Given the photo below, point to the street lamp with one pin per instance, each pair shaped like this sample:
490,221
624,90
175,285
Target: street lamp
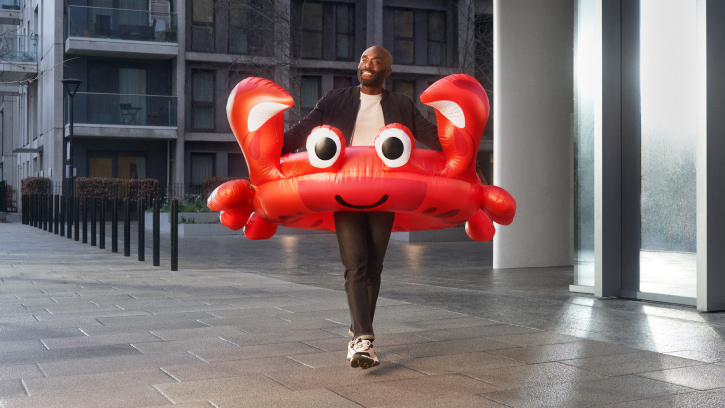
71,87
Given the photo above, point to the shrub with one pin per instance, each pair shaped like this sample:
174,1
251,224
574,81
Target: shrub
101,187
35,185
208,184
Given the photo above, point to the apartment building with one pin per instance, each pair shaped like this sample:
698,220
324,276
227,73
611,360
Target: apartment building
156,74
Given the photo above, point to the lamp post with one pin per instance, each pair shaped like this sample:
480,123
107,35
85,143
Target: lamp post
71,87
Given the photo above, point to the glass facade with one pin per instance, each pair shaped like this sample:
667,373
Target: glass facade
587,103
669,99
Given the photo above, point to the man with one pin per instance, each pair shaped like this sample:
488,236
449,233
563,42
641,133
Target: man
359,112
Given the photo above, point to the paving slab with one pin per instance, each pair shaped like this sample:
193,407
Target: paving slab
319,398
247,323
585,393
417,390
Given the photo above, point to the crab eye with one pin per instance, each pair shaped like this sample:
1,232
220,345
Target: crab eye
394,146
324,146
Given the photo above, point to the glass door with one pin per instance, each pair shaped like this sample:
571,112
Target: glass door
669,78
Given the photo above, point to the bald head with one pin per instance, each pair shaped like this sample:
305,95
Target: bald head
374,67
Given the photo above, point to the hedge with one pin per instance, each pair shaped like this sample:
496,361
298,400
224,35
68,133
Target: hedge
35,185
208,184
101,187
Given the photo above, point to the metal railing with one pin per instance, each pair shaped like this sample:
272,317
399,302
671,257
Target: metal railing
18,48
123,109
120,24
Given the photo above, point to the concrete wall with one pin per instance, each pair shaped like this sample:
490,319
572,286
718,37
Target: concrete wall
533,56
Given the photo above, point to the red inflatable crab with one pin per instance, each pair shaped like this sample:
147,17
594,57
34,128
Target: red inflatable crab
426,189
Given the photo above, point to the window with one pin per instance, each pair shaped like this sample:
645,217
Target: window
248,27
416,36
326,21
406,88
403,30
202,100
202,165
202,25
345,32
311,31
236,165
310,94
123,165
436,38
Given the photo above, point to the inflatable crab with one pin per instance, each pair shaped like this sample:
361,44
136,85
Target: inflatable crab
426,189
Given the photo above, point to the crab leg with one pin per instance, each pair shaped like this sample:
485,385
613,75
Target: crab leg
480,227
499,205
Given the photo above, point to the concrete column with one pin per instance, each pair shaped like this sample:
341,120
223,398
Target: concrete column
533,56
374,19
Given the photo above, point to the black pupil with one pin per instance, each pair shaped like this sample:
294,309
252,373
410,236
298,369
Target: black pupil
325,148
393,148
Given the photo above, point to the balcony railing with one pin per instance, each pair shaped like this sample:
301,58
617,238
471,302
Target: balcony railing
123,109
120,24
18,48
9,4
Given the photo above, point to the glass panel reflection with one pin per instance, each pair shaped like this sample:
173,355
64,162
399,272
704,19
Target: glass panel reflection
587,94
669,92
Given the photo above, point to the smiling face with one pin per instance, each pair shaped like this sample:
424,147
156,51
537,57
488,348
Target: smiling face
374,67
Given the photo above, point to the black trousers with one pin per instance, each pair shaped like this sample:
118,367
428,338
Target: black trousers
363,238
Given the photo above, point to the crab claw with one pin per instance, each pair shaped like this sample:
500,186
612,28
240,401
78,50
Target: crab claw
234,200
480,227
498,204
230,195
462,109
235,219
259,228
255,110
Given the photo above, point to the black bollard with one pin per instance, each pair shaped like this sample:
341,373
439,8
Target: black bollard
35,210
102,238
141,230
49,209
76,217
85,220
44,210
174,235
62,215
114,225
69,217
50,213
126,227
156,228
93,221
56,212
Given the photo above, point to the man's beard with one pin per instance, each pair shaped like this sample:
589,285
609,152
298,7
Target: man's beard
376,79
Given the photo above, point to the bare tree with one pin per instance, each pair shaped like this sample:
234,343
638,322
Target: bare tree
260,32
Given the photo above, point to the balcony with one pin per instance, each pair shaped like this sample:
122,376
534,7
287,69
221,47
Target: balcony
18,61
123,115
10,12
109,32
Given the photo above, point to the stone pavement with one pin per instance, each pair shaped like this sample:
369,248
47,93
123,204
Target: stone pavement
247,324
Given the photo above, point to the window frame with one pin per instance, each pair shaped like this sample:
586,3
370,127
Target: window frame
203,104
203,24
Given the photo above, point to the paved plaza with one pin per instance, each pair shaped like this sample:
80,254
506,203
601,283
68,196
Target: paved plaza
264,324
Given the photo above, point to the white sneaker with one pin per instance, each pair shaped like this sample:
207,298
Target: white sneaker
350,350
364,355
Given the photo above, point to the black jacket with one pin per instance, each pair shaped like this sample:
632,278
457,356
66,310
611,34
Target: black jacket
339,108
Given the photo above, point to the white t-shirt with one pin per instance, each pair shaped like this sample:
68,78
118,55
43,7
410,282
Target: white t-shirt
369,120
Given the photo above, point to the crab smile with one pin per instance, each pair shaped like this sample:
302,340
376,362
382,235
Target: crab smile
342,202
